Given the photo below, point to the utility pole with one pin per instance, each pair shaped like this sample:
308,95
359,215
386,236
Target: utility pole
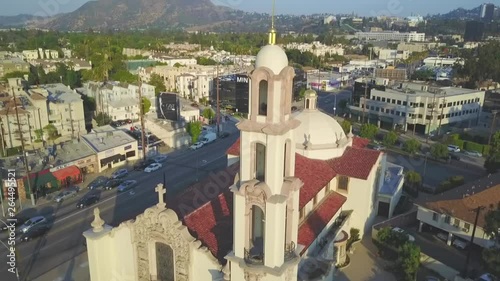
366,89
431,118
25,158
218,106
442,113
466,266
143,130
493,125
71,120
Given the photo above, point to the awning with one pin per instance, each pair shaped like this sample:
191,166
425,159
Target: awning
72,172
42,178
116,157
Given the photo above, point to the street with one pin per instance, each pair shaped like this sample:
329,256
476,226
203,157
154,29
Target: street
329,100
65,241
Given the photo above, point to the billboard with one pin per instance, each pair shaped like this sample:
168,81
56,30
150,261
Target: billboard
168,106
233,92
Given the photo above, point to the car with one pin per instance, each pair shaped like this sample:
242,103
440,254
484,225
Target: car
143,164
473,153
487,277
17,219
34,232
99,182
196,145
379,147
459,243
224,135
70,192
443,236
431,278
453,148
454,156
112,184
160,158
32,222
120,174
399,230
126,185
87,201
153,167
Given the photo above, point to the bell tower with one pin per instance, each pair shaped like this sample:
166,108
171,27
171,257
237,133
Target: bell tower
266,194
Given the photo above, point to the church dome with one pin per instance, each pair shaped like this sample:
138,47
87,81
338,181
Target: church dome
319,135
272,57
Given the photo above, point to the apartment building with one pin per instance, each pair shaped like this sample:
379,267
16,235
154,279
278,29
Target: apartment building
317,48
40,54
65,110
50,65
420,107
442,62
391,36
388,54
171,61
12,64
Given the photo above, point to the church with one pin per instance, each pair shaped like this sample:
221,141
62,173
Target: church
295,185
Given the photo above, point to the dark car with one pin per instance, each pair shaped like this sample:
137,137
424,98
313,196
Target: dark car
224,135
34,232
87,201
98,183
454,156
17,220
112,184
143,164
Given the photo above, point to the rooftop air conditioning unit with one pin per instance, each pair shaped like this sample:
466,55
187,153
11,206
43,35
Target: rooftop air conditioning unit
465,230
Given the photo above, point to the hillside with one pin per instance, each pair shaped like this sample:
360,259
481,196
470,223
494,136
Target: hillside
18,21
138,14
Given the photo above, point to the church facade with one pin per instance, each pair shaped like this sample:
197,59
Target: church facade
281,211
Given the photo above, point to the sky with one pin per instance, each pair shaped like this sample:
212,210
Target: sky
360,7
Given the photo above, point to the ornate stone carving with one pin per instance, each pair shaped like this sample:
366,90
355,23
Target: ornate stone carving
254,276
255,195
98,223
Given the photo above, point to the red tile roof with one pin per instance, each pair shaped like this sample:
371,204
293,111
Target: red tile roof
317,221
235,148
315,174
355,162
206,210
360,142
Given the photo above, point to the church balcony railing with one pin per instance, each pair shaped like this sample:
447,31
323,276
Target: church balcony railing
290,251
256,258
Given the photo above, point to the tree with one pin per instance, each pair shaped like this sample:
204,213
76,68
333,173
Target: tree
15,74
102,119
146,105
194,130
411,146
302,93
492,259
39,135
51,132
409,261
492,163
205,61
413,179
204,100
346,125
208,113
390,138
368,131
157,81
439,151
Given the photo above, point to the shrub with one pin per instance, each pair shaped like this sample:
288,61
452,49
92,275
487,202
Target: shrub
353,237
472,146
457,181
459,143
411,146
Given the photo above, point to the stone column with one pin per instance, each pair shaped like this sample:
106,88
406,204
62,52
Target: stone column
97,240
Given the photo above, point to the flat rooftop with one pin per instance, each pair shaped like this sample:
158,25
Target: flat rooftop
73,151
106,137
416,89
392,178
60,93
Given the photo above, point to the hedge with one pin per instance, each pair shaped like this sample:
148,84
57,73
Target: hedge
450,183
473,146
459,143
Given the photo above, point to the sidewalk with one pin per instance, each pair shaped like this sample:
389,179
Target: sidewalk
437,266
75,269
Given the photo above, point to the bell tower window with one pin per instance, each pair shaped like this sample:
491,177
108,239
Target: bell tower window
257,234
263,90
260,162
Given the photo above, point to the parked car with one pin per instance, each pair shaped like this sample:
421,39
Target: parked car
196,146
431,278
209,138
143,164
379,147
70,192
153,167
126,185
443,236
473,153
98,183
120,174
34,221
459,243
224,135
112,184
487,277
18,219
399,230
453,148
34,232
87,201
454,156
160,159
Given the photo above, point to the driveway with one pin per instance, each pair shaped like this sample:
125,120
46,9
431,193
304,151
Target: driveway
365,264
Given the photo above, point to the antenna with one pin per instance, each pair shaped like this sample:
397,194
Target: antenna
272,15
272,32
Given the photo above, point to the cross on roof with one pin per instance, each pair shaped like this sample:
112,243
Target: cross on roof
161,190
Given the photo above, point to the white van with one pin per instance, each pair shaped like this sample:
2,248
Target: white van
453,148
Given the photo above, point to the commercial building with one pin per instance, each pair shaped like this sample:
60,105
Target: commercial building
398,74
474,31
113,147
453,213
233,92
487,12
388,54
75,153
12,64
391,36
326,81
442,62
420,107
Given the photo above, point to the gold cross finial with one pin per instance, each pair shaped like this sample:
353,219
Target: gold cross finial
272,32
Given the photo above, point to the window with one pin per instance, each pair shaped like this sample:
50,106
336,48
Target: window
466,227
302,213
263,89
456,223
449,104
393,101
447,219
315,200
405,103
343,183
260,162
383,99
399,102
378,98
435,217
258,225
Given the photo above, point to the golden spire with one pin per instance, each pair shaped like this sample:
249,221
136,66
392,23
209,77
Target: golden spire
272,32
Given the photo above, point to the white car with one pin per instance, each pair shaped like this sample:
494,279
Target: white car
473,153
153,167
196,146
453,148
399,230
160,159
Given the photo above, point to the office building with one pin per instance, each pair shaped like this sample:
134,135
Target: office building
233,92
487,12
391,36
474,31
